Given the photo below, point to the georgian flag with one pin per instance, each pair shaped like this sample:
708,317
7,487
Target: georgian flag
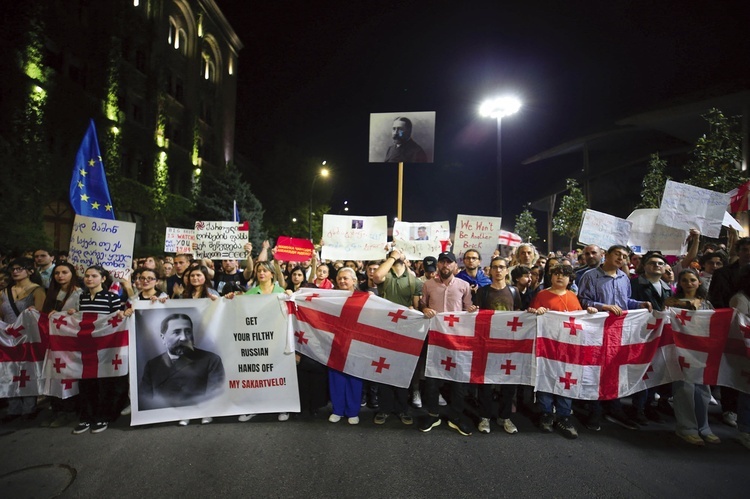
22,350
509,238
700,337
485,347
358,333
735,363
596,356
86,345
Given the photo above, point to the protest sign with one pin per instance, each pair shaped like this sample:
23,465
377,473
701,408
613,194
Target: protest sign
688,207
109,243
351,237
293,249
603,230
479,233
179,241
730,221
220,240
647,235
232,357
420,239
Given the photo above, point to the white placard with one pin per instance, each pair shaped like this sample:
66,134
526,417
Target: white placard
688,207
178,240
604,230
98,241
235,361
730,221
352,237
420,239
647,235
479,233
220,240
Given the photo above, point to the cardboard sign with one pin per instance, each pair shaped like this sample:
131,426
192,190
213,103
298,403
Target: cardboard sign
603,230
96,241
647,235
293,249
179,241
351,237
479,233
688,207
220,240
420,239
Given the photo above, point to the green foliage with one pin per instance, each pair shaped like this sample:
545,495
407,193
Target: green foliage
219,190
526,226
714,160
567,222
653,183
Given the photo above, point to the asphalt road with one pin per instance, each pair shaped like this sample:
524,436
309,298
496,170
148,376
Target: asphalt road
310,457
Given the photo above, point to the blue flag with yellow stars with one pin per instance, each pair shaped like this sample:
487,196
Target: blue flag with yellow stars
89,193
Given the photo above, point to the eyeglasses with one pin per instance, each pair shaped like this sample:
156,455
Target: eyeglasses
19,269
147,279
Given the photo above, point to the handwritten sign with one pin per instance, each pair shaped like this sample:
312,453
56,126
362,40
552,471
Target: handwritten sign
420,239
96,241
293,249
647,235
220,240
688,207
347,237
179,241
603,230
479,233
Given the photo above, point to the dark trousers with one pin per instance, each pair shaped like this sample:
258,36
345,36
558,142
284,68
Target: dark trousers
312,379
507,393
101,398
729,399
457,402
393,399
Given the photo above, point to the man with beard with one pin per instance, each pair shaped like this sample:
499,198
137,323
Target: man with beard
472,272
446,294
592,256
183,375
404,149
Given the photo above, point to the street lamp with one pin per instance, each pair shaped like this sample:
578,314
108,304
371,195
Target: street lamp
323,173
499,108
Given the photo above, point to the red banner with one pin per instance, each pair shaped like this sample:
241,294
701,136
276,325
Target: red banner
293,249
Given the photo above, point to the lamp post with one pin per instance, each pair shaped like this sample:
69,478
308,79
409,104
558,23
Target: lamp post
323,173
499,108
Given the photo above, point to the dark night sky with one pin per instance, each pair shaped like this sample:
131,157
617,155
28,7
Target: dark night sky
311,73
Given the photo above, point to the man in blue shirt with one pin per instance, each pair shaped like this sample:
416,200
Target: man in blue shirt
607,288
472,272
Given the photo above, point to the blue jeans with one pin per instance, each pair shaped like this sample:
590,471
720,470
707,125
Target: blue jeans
562,404
691,408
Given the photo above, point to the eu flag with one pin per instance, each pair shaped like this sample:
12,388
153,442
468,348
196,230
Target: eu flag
89,193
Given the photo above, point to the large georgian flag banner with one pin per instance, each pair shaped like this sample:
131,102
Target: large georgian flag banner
485,347
86,345
23,346
239,362
596,356
735,363
700,338
359,334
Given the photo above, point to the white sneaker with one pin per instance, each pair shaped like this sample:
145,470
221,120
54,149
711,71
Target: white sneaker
126,411
206,420
484,425
354,420
283,416
183,422
334,418
441,400
416,399
730,418
245,418
507,425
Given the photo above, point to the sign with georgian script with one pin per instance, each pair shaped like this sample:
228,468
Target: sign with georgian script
96,241
352,237
420,239
603,230
220,240
688,207
647,235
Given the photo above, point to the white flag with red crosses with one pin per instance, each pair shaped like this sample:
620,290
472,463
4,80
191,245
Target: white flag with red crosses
484,347
359,334
22,350
597,357
735,363
87,345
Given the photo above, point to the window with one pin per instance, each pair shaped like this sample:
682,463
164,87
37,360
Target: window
208,71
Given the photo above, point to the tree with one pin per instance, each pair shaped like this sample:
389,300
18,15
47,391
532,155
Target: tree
653,183
567,222
215,201
526,226
714,160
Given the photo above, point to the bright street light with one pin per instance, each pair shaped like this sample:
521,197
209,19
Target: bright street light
498,108
322,173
